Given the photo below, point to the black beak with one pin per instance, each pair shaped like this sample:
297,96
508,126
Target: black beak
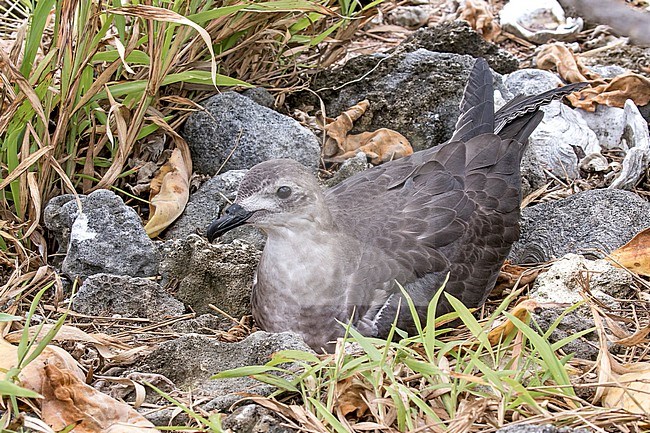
235,216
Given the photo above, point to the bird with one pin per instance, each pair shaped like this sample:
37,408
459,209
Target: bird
445,215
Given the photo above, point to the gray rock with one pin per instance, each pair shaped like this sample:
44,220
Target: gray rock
527,428
552,145
599,219
252,418
585,347
533,176
237,133
206,204
260,96
607,71
219,274
415,93
58,216
530,82
190,361
207,324
409,16
349,168
607,123
108,237
108,295
458,37
637,140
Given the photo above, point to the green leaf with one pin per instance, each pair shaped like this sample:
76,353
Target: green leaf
328,416
8,388
35,35
545,350
276,381
245,371
135,57
4,317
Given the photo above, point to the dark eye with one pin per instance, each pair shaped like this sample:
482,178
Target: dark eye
283,192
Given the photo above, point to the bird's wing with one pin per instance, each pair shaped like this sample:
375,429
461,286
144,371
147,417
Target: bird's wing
455,213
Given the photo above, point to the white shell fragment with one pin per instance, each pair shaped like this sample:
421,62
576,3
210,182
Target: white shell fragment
625,129
594,163
539,21
554,140
637,140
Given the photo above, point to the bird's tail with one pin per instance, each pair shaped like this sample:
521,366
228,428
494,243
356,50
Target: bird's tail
521,115
515,120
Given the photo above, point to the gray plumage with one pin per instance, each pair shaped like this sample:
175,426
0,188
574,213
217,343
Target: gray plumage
338,254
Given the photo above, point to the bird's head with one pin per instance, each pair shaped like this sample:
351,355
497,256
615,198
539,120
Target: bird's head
275,193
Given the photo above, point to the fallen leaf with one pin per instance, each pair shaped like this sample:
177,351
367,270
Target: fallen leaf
170,191
614,93
511,275
479,15
639,337
382,145
634,255
349,396
469,410
558,56
337,129
67,399
633,393
521,311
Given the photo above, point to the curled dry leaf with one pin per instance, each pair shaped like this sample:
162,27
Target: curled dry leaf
349,393
511,275
633,391
558,56
170,191
478,14
382,145
614,93
640,336
521,311
634,255
67,399
337,129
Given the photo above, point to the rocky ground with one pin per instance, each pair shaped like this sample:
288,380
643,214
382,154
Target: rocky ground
180,306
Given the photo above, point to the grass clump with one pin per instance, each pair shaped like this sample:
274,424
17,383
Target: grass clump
470,378
83,82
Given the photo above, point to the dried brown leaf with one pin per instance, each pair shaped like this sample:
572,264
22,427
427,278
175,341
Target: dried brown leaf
513,275
521,311
639,337
614,93
337,130
479,15
170,191
469,410
67,399
349,397
634,255
382,145
558,56
633,391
